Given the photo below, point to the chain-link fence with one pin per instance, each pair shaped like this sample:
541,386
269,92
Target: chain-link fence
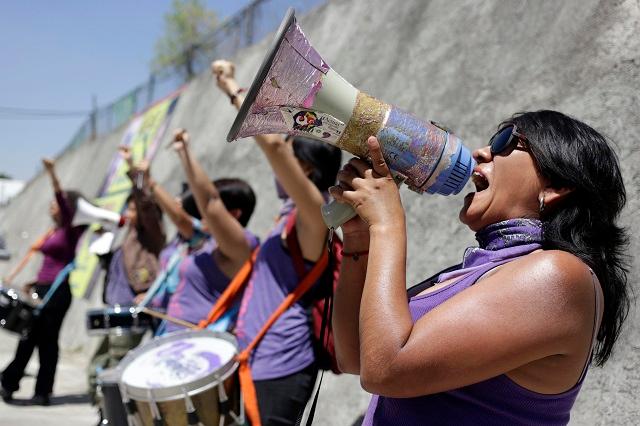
248,26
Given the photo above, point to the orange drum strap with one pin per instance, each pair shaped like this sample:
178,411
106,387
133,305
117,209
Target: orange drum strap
229,295
246,382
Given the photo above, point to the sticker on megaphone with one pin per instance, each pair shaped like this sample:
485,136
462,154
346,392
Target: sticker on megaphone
306,122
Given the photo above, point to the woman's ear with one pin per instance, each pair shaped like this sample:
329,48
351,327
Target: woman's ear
552,196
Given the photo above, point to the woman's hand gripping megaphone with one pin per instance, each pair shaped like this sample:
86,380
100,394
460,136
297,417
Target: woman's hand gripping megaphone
367,189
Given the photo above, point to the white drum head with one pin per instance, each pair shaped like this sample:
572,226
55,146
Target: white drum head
184,361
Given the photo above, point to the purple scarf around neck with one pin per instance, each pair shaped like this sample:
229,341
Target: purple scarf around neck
498,242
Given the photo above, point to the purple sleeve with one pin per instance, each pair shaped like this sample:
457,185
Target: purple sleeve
66,214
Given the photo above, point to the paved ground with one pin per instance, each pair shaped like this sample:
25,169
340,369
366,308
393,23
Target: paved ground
69,405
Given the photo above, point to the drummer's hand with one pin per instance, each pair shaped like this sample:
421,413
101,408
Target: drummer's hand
369,189
139,298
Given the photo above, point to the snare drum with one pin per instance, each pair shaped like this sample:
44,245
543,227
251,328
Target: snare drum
16,314
117,320
182,378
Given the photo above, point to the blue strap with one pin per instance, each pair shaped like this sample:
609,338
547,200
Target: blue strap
60,278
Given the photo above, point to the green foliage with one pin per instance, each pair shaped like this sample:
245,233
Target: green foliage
5,176
181,47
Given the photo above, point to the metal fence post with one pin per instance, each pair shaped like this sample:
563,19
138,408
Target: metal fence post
94,117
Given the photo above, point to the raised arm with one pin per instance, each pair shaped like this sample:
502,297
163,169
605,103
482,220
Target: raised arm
149,224
290,173
223,225
180,218
63,203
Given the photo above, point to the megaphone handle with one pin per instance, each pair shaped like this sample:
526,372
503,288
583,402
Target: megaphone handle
335,214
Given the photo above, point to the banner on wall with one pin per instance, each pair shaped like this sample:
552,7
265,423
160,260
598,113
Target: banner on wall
142,136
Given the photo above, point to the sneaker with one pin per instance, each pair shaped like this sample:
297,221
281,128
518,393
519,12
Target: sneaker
40,400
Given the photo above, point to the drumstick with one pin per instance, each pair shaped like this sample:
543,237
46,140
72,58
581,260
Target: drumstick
169,318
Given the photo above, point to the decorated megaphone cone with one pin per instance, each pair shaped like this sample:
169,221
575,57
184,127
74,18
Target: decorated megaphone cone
298,93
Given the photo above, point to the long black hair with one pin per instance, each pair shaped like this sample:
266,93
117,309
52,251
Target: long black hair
571,154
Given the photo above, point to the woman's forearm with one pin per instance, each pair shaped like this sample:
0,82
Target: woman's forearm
55,182
385,319
226,229
346,310
167,203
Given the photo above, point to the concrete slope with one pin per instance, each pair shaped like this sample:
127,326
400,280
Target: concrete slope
468,64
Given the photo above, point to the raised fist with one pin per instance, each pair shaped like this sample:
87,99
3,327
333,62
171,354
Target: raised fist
223,68
180,139
48,164
125,153
224,72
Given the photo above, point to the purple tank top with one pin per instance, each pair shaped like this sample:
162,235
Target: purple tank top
498,400
287,346
201,282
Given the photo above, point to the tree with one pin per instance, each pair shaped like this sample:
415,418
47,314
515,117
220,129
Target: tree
180,48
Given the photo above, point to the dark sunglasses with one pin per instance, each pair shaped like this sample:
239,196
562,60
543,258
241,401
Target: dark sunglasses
504,137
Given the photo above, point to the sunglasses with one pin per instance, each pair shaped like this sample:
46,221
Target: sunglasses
505,137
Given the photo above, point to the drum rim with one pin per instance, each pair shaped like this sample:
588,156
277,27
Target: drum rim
123,311
172,393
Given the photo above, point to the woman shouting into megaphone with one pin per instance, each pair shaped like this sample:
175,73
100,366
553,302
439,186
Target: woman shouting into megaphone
507,336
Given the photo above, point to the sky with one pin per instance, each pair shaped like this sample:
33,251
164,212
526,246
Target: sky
57,55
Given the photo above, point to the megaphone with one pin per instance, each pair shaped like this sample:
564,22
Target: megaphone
87,213
296,92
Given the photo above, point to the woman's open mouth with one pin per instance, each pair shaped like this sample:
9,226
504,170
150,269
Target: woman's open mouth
480,181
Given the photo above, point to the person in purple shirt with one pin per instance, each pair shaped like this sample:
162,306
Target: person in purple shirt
226,205
507,336
59,250
283,364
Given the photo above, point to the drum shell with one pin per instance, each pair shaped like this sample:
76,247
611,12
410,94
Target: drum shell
16,315
206,403
203,392
119,320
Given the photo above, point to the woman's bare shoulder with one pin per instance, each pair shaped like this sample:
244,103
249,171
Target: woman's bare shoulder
554,273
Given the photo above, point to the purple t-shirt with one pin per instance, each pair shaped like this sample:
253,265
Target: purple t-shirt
118,291
59,248
201,282
287,347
